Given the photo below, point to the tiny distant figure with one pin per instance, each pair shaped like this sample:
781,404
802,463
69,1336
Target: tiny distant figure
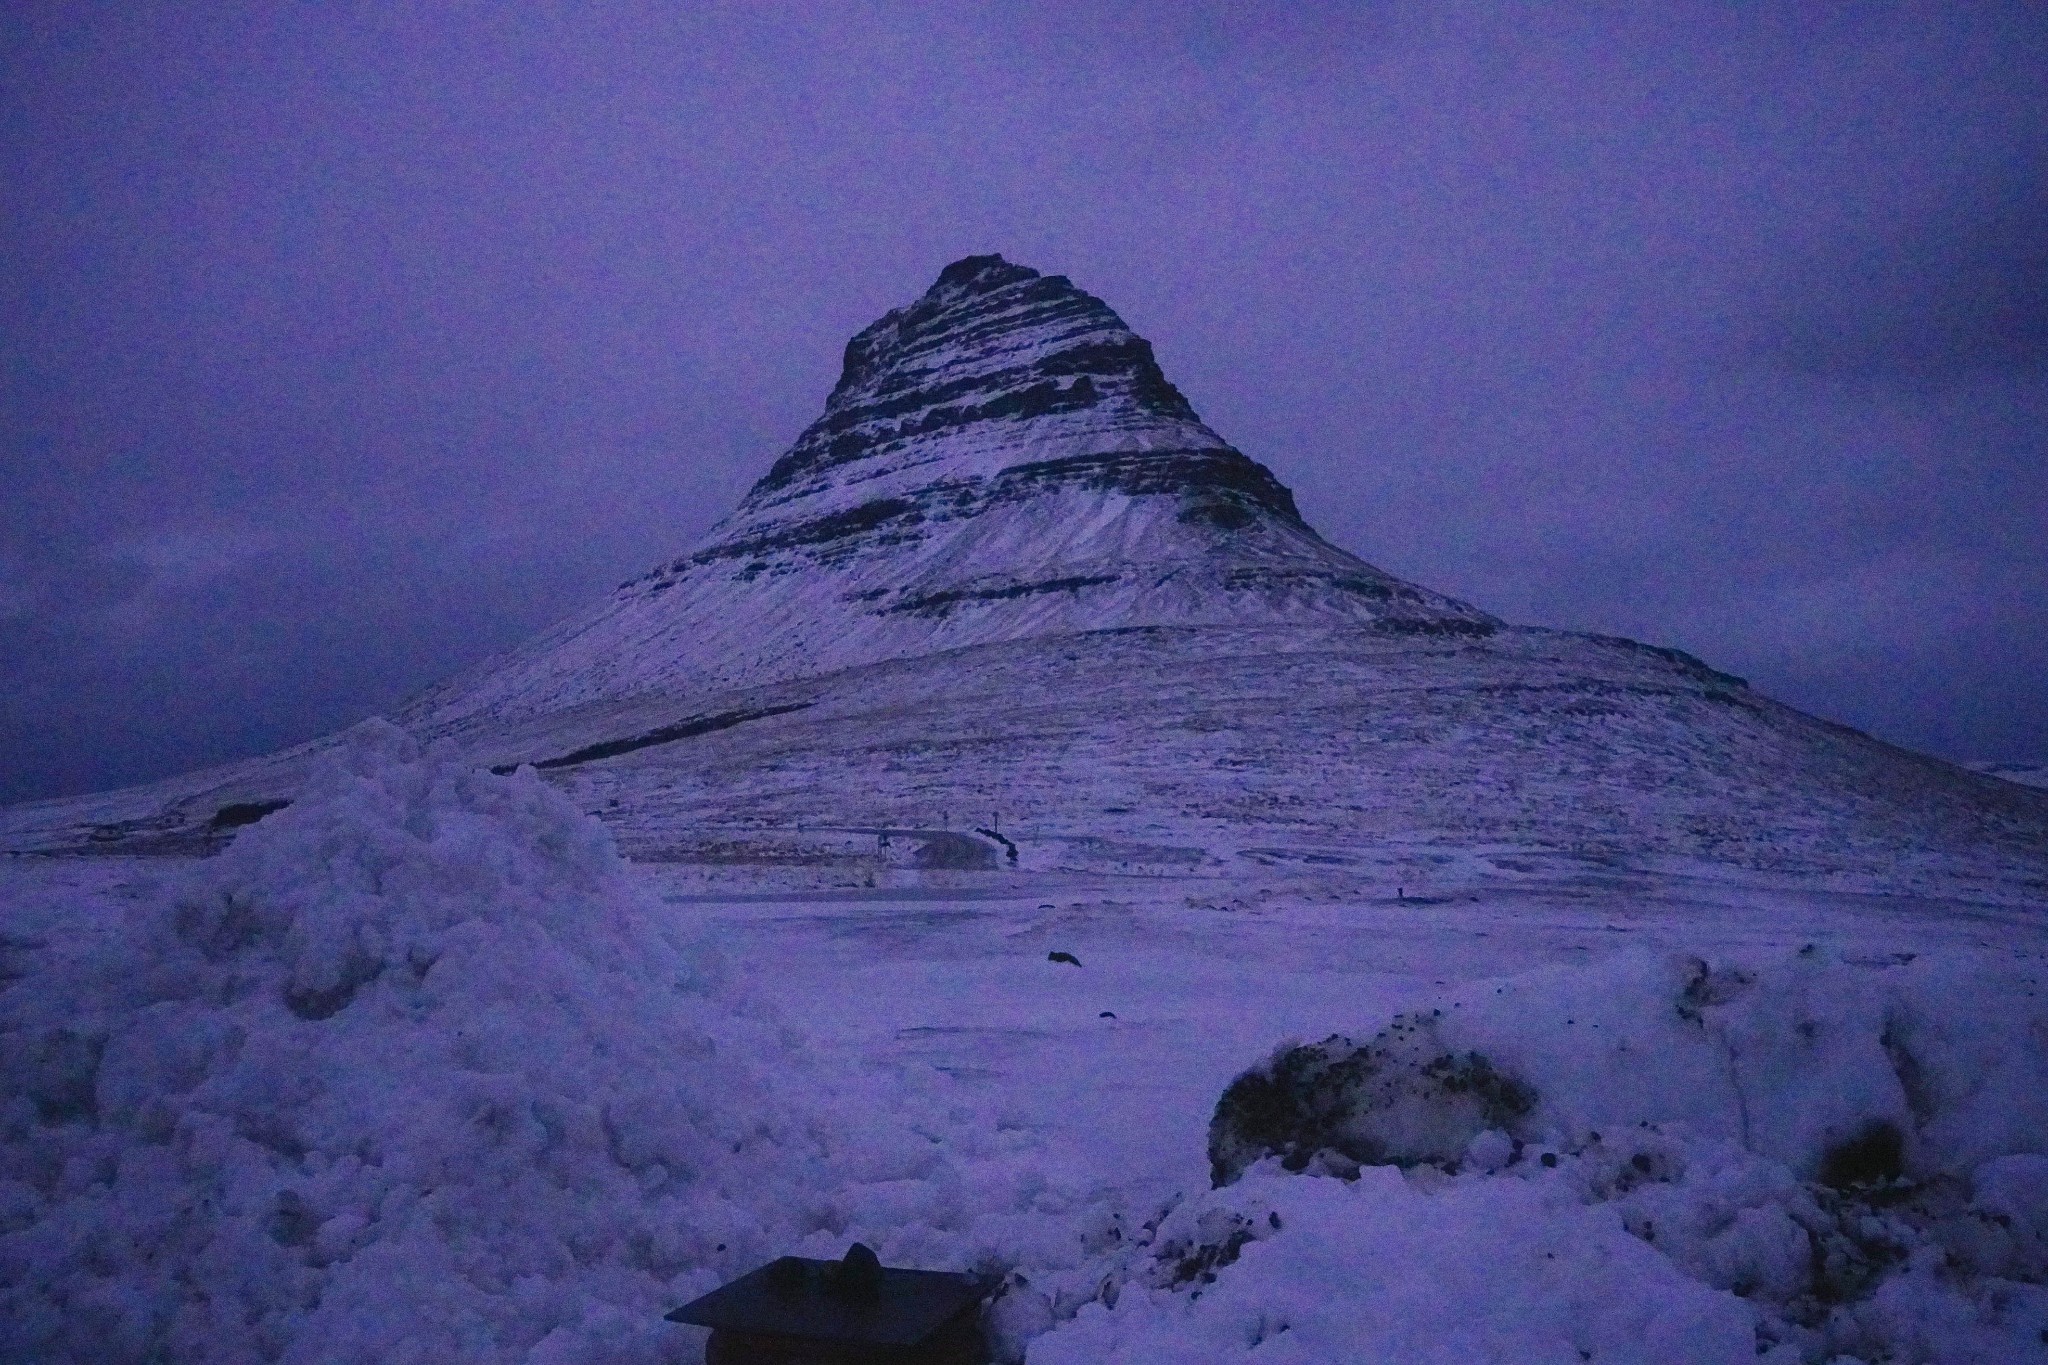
1107,1014
1062,957
1400,893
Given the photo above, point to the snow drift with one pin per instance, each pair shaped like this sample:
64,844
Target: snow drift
413,1072
1653,1160
1917,1068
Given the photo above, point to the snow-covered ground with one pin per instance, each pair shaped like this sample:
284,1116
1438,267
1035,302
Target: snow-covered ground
1341,763
2026,774
419,1069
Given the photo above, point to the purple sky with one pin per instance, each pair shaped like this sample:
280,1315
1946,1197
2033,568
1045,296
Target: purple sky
339,348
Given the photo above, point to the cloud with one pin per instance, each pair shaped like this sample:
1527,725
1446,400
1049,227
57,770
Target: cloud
121,584
1961,292
16,601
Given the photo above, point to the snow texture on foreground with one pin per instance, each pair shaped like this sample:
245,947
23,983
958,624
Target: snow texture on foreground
416,1071
411,1073
1651,1161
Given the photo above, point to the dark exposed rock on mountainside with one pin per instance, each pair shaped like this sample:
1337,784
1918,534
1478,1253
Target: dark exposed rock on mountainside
1000,460
1009,570
900,379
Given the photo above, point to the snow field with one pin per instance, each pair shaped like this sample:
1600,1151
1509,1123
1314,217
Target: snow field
1379,1269
419,1069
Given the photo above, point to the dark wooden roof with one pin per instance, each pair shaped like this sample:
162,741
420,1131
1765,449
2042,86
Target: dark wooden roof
797,1297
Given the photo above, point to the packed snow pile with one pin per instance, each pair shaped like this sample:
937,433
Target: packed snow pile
413,1072
1654,1161
1924,1067
1287,1269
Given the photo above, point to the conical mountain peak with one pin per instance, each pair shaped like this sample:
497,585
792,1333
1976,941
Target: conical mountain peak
1009,568
1002,458
989,342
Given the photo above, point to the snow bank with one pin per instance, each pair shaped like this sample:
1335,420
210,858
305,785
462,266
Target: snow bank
1653,1160
1810,1061
1698,1258
1376,1269
412,1071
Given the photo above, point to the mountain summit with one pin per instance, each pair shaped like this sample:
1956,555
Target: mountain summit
1001,459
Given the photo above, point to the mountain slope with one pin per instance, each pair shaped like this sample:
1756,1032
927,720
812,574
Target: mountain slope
1000,460
2025,774
1009,604
1357,760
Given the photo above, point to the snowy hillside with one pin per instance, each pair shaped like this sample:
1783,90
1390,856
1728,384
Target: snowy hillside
2026,774
1001,460
1358,761
1010,582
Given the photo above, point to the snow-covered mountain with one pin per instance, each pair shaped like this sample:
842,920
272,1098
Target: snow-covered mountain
1009,603
1000,460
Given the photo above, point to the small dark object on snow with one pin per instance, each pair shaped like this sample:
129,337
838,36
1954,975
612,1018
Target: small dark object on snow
1063,957
1875,1155
853,1311
1009,849
236,814
1107,1014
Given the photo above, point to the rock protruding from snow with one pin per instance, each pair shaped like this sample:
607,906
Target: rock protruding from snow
1839,1072
1806,1161
1000,460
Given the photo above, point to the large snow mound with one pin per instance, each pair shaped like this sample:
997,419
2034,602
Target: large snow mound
1652,1160
413,1071
1920,1067
1285,1269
